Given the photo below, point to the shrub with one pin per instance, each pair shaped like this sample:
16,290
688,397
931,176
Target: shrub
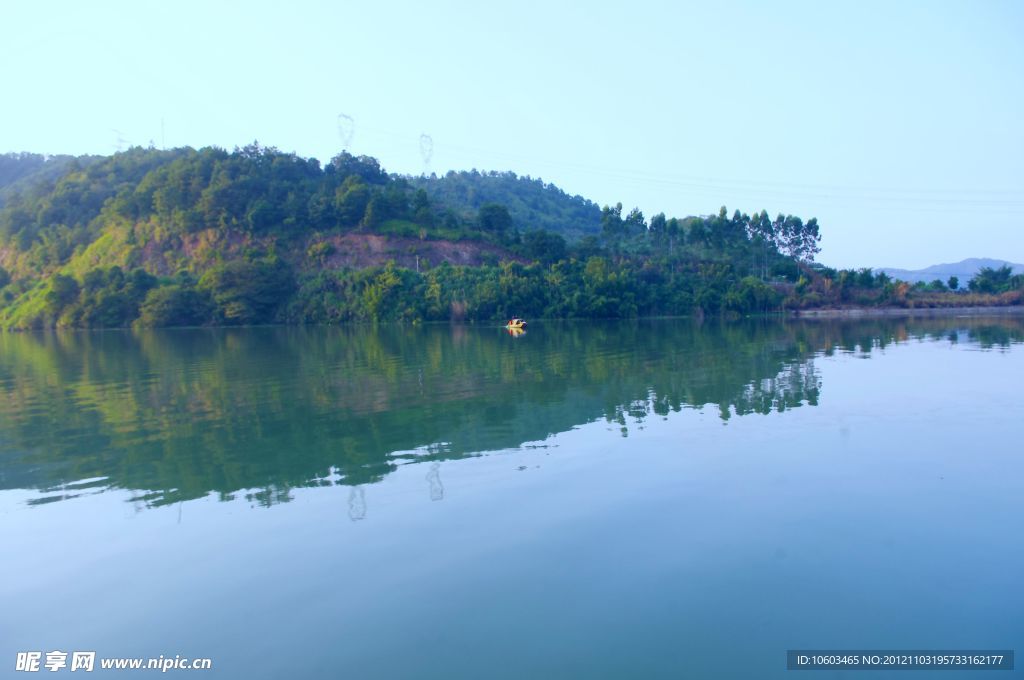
174,306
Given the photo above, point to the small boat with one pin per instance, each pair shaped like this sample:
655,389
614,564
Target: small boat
516,323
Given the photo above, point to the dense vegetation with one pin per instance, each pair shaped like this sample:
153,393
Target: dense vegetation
532,203
197,237
23,171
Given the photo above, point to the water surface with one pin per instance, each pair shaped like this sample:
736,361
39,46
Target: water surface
656,499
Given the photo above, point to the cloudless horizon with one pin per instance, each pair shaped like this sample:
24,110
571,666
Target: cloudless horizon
897,125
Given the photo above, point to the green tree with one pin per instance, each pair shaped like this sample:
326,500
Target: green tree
248,292
613,227
63,291
263,215
363,168
751,294
350,201
990,280
635,222
495,218
375,213
421,209
544,246
174,305
659,225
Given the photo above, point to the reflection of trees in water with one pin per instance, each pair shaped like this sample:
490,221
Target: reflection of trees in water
263,497
179,414
993,335
796,384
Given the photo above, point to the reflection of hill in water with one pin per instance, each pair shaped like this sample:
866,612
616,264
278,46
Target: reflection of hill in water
182,413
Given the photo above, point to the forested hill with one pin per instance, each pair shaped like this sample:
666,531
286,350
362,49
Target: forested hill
532,203
21,171
198,237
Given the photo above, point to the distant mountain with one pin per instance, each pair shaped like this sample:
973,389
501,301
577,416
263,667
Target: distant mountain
963,270
532,203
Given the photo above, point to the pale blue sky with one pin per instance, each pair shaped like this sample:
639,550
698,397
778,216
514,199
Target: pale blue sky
897,124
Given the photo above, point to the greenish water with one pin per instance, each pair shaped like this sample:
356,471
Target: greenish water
644,499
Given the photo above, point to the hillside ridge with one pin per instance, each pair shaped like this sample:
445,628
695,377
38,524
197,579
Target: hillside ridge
183,236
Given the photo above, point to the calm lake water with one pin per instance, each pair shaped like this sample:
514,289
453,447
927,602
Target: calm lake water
594,500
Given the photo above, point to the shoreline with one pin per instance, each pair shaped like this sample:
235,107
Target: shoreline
869,312
784,315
